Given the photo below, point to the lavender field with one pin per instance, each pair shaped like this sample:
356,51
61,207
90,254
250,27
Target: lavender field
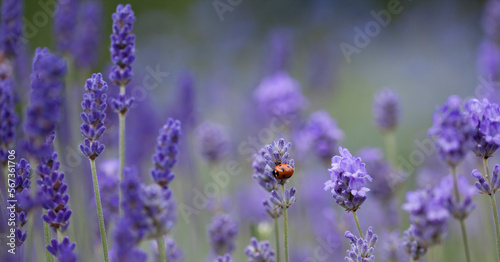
259,131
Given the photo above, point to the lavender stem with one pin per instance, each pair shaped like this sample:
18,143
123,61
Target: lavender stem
390,147
357,224
462,222
277,237
285,221
493,207
161,249
46,233
99,210
59,236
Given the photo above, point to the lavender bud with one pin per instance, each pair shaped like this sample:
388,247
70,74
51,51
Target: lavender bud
459,210
63,251
8,119
167,150
65,18
88,37
259,251
484,117
222,234
361,249
225,258
122,45
213,141
386,109
412,246
11,28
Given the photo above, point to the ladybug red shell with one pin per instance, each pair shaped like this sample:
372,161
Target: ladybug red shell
283,171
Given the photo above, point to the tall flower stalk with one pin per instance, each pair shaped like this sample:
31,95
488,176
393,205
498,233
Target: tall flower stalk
387,112
92,128
122,55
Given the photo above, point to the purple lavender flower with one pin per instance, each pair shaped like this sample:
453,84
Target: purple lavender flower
348,177
485,117
459,210
122,45
88,37
213,141
174,254
8,119
65,18
488,64
322,135
273,210
126,240
391,249
11,28
485,187
63,251
380,170
224,258
386,109
121,104
53,186
262,174
284,202
452,131
411,244
428,215
222,234
43,111
22,183
277,153
279,95
167,150
259,251
94,106
361,249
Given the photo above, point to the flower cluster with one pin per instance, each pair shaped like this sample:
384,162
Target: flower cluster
8,118
65,19
283,202
52,184
259,251
174,254
11,28
280,95
348,177
485,117
487,187
94,106
222,234
428,215
122,45
213,141
88,37
167,150
361,249
43,111
458,209
63,251
412,246
386,109
452,131
121,104
263,175
22,185
322,135
277,153
224,258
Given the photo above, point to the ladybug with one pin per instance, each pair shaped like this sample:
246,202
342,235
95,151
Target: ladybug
283,171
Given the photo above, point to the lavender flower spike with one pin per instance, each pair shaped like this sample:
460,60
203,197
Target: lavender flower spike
263,175
8,118
485,118
94,106
88,37
11,28
65,19
173,253
22,186
43,111
278,153
483,186
167,150
259,251
412,246
452,131
63,251
348,177
361,249
222,234
122,45
213,140
386,109
459,210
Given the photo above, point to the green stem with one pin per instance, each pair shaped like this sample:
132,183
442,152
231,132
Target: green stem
121,149
493,207
59,236
390,147
462,222
46,232
99,211
277,237
357,224
161,249
285,226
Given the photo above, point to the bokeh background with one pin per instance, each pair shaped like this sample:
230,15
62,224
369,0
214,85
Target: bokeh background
428,51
